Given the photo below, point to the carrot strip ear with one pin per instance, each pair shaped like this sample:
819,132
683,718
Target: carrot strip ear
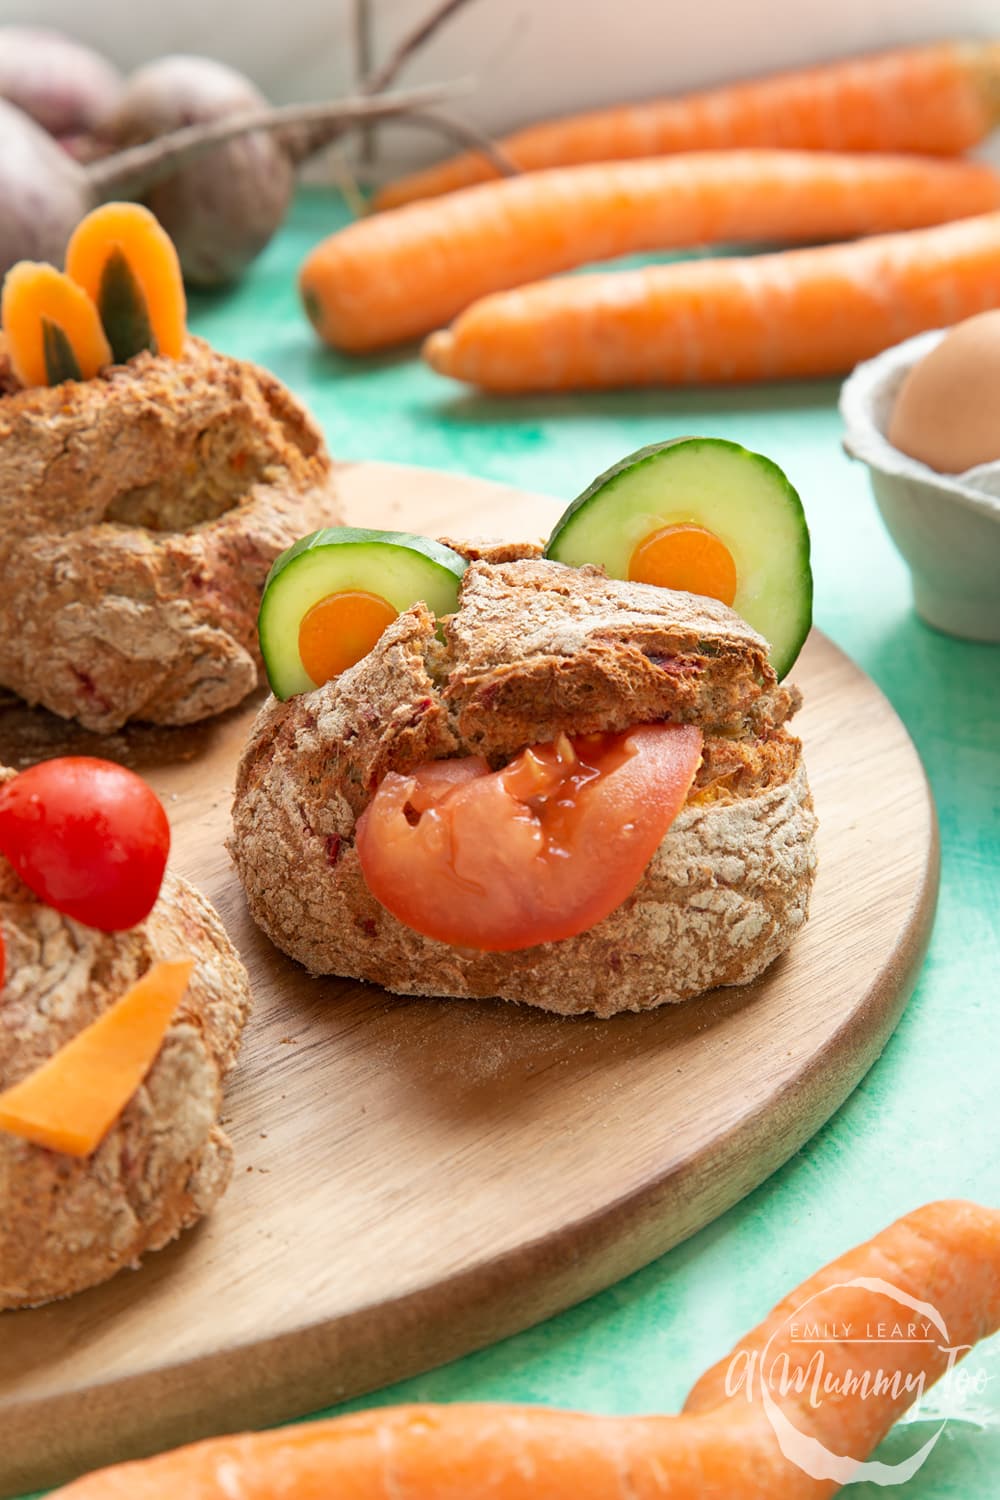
127,263
71,1102
53,329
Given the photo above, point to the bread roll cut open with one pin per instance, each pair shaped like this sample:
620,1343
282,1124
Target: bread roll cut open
534,650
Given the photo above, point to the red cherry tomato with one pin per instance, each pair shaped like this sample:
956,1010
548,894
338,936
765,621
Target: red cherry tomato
90,839
541,850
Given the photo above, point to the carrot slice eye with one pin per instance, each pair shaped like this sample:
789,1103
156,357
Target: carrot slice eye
127,264
340,630
686,557
53,329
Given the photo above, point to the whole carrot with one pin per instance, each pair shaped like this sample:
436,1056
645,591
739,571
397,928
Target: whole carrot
724,1447
794,313
397,275
938,99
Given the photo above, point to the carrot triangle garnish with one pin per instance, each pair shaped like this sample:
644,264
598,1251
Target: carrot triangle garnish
71,1102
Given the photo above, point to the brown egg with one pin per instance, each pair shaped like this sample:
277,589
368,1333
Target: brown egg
947,413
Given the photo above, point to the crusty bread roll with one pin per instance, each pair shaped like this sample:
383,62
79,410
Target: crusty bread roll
139,515
535,649
69,1223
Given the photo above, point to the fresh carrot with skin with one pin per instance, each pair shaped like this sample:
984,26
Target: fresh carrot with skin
792,314
127,264
53,329
721,1448
938,99
389,278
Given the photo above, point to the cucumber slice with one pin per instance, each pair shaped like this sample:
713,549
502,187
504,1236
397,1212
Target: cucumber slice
392,565
741,497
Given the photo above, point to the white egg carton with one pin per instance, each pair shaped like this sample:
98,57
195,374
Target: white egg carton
947,526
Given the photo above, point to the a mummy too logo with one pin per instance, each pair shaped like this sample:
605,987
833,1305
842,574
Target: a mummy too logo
815,1369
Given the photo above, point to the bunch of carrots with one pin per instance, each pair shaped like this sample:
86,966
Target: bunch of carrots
724,1446
866,151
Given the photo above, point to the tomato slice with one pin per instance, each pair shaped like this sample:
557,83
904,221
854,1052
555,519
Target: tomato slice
90,838
541,850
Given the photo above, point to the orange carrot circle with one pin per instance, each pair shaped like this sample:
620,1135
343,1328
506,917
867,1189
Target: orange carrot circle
42,308
340,630
686,557
128,236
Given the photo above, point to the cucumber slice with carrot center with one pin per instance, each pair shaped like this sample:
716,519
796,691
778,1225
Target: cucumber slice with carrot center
329,598
706,516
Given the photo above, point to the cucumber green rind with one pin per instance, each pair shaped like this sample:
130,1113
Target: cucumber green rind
60,361
334,536
398,566
124,310
776,590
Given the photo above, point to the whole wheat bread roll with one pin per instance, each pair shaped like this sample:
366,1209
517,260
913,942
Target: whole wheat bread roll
535,649
139,515
68,1223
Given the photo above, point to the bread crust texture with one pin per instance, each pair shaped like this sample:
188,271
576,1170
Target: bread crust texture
139,514
68,1223
536,649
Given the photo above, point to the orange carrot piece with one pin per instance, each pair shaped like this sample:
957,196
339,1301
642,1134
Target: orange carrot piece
394,276
938,99
340,630
792,314
52,327
71,1102
686,557
128,265
722,1448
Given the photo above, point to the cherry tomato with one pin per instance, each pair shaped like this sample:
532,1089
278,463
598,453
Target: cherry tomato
90,839
541,850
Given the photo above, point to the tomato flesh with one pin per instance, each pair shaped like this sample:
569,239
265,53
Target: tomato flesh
90,838
541,850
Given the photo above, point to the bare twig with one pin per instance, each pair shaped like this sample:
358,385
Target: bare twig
466,135
304,143
364,61
383,76
346,182
139,167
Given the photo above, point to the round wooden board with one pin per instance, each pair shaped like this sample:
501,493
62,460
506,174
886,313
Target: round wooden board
417,1178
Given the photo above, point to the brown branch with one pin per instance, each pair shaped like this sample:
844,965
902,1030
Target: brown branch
404,49
363,63
465,135
138,167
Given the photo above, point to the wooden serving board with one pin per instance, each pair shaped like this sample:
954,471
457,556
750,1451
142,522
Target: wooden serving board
417,1178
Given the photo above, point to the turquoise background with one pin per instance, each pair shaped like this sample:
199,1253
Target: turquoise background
925,1123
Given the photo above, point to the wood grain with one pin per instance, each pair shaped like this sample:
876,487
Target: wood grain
417,1178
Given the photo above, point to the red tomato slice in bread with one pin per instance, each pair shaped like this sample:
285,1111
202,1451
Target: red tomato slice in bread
541,850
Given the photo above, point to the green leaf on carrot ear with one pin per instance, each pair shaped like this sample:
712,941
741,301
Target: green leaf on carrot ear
60,361
123,309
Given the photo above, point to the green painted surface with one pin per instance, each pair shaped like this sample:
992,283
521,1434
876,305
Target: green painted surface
925,1123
